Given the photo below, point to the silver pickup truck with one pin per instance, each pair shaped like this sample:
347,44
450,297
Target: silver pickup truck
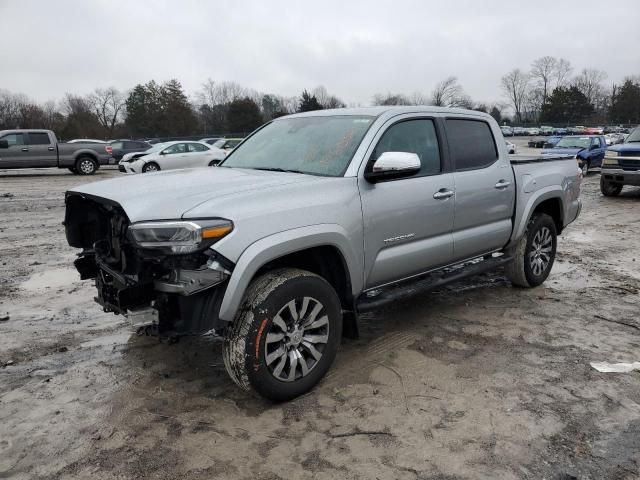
31,148
313,219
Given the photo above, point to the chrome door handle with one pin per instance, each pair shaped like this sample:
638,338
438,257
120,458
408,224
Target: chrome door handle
51,149
25,149
502,184
442,194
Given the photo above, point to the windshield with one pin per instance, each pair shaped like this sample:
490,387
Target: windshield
574,142
634,136
314,145
219,143
156,148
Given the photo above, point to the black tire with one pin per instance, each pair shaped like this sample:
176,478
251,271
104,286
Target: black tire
214,163
610,189
258,354
532,262
73,170
86,166
585,168
150,167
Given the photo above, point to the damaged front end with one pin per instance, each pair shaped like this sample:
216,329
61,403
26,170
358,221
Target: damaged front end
161,274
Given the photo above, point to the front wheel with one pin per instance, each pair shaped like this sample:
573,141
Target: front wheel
535,252
609,189
585,168
285,336
150,167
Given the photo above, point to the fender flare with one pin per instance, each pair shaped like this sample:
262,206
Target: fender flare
277,245
547,193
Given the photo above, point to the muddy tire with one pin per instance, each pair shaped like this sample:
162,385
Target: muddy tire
150,167
585,168
534,254
609,189
285,336
86,166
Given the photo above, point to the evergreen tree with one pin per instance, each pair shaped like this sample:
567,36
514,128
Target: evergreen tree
308,103
625,106
566,105
243,116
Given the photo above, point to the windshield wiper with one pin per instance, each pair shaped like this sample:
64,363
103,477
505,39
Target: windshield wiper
275,169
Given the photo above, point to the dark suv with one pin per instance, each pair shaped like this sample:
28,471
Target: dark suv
121,147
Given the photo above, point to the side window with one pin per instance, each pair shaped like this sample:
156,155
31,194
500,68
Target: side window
117,145
596,142
196,147
14,139
39,138
177,148
471,144
412,136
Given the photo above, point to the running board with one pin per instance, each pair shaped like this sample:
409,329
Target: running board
429,281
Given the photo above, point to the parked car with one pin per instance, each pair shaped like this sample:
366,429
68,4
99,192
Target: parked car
588,150
533,131
121,147
520,131
173,155
559,131
133,156
621,166
537,142
210,141
33,148
546,130
227,143
85,140
506,131
593,131
551,141
511,147
313,219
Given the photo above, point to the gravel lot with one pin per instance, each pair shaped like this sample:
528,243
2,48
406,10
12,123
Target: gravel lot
479,380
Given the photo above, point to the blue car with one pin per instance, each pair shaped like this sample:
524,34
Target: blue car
621,165
588,149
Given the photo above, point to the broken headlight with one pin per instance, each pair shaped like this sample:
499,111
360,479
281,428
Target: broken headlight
176,237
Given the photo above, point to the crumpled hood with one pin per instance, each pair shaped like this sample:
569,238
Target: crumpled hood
562,151
170,194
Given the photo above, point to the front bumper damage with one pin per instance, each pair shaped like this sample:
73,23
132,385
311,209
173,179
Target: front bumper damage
174,294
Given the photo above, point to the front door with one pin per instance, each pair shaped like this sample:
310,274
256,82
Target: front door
407,221
485,189
17,155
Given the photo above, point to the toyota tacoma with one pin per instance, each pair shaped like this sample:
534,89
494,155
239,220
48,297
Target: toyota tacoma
313,219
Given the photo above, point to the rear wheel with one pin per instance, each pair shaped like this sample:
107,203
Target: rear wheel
285,336
86,166
609,189
151,167
535,253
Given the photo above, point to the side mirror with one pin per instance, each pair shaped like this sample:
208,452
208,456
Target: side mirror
393,165
4,144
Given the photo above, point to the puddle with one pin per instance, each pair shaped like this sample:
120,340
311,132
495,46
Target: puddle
54,278
107,340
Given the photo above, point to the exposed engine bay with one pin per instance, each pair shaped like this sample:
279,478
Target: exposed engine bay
176,294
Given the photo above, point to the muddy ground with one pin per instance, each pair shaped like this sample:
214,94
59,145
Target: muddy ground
479,380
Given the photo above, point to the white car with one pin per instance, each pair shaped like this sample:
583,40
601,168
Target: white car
511,147
170,156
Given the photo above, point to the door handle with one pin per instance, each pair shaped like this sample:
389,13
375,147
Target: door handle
442,194
25,149
51,149
502,184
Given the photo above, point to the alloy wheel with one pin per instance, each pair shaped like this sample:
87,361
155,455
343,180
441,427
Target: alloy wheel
540,253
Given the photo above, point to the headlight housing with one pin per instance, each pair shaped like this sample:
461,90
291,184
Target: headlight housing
178,237
610,159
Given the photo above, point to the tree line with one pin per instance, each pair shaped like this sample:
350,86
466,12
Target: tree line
548,92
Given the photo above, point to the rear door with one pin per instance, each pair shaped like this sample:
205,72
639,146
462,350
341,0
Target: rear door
42,150
407,221
199,155
17,154
485,188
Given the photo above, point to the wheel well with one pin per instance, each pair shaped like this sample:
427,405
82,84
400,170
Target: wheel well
86,155
553,208
326,261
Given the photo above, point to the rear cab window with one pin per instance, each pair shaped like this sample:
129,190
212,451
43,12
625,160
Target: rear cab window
471,144
39,138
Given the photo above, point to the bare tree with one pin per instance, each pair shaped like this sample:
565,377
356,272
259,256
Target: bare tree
543,70
589,82
390,99
108,105
325,99
449,93
515,85
563,72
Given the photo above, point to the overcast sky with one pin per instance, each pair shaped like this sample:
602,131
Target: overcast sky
354,49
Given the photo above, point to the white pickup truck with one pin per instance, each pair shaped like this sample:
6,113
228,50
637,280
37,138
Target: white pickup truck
313,219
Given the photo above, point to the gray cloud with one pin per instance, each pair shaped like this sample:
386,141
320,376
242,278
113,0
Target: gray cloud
355,49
